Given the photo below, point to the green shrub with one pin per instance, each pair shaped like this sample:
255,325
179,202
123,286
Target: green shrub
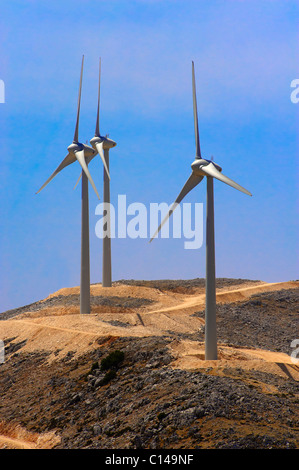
94,366
113,360
110,375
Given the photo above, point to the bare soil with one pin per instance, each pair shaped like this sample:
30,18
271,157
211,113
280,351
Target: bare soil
164,394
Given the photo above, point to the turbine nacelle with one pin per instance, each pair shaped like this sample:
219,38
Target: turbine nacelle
107,143
78,147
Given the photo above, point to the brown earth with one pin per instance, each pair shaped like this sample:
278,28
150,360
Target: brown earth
164,393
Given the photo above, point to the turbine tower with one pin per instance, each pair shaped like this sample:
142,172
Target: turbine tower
83,153
102,145
202,167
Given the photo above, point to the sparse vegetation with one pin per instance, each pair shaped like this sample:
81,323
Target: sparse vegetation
110,375
112,361
94,366
161,416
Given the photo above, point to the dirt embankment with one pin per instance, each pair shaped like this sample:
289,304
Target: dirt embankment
164,394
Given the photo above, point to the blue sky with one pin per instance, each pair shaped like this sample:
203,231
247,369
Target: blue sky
245,54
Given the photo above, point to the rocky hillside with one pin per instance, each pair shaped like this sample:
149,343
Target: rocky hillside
127,393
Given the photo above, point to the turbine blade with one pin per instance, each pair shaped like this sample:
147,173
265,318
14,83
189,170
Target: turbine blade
65,162
78,106
98,112
77,181
197,143
211,170
88,160
190,184
101,153
81,159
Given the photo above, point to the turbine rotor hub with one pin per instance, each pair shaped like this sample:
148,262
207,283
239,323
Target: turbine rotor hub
201,162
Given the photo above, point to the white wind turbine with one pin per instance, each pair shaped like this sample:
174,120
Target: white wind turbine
102,145
83,153
202,167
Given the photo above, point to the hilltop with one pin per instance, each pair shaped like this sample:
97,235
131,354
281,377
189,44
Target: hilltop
162,394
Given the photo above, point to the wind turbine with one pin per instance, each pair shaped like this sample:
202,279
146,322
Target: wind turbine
102,145
202,167
83,153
